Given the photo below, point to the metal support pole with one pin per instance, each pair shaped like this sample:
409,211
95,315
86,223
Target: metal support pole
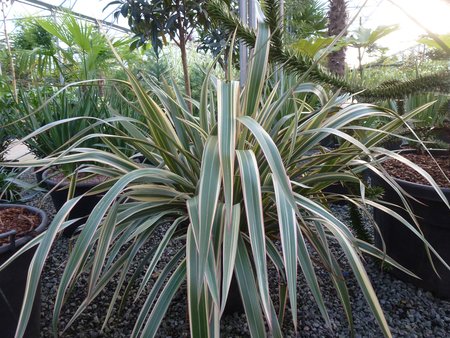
44,5
243,50
278,71
61,77
282,13
247,13
252,13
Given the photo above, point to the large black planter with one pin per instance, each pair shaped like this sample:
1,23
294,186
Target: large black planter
406,248
234,301
59,192
38,174
339,189
13,281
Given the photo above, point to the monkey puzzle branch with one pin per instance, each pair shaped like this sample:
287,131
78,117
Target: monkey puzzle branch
299,64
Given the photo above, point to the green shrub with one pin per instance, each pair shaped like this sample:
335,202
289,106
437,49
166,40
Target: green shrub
245,174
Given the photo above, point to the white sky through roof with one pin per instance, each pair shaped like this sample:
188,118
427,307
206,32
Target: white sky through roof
92,8
434,14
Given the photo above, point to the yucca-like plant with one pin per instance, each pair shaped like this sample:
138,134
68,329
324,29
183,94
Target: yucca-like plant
241,185
9,191
64,105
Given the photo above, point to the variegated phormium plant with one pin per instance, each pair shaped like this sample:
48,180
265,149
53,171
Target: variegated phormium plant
241,184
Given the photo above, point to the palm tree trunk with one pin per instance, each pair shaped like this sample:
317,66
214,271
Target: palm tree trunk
337,17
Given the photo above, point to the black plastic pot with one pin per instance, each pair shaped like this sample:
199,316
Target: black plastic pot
38,174
406,248
330,141
234,300
339,189
59,192
13,280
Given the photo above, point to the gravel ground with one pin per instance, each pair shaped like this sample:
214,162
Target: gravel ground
410,312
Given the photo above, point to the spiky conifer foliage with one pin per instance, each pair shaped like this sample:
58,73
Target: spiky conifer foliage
300,64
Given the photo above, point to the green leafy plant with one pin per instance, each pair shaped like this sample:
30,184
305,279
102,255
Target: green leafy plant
8,104
430,125
244,175
82,52
365,41
50,122
29,35
444,39
433,116
35,52
412,64
304,19
4,141
9,190
154,21
311,47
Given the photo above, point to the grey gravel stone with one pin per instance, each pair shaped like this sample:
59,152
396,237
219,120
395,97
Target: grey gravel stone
410,312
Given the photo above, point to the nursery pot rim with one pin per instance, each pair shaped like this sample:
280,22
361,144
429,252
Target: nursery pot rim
47,179
5,248
425,191
413,185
